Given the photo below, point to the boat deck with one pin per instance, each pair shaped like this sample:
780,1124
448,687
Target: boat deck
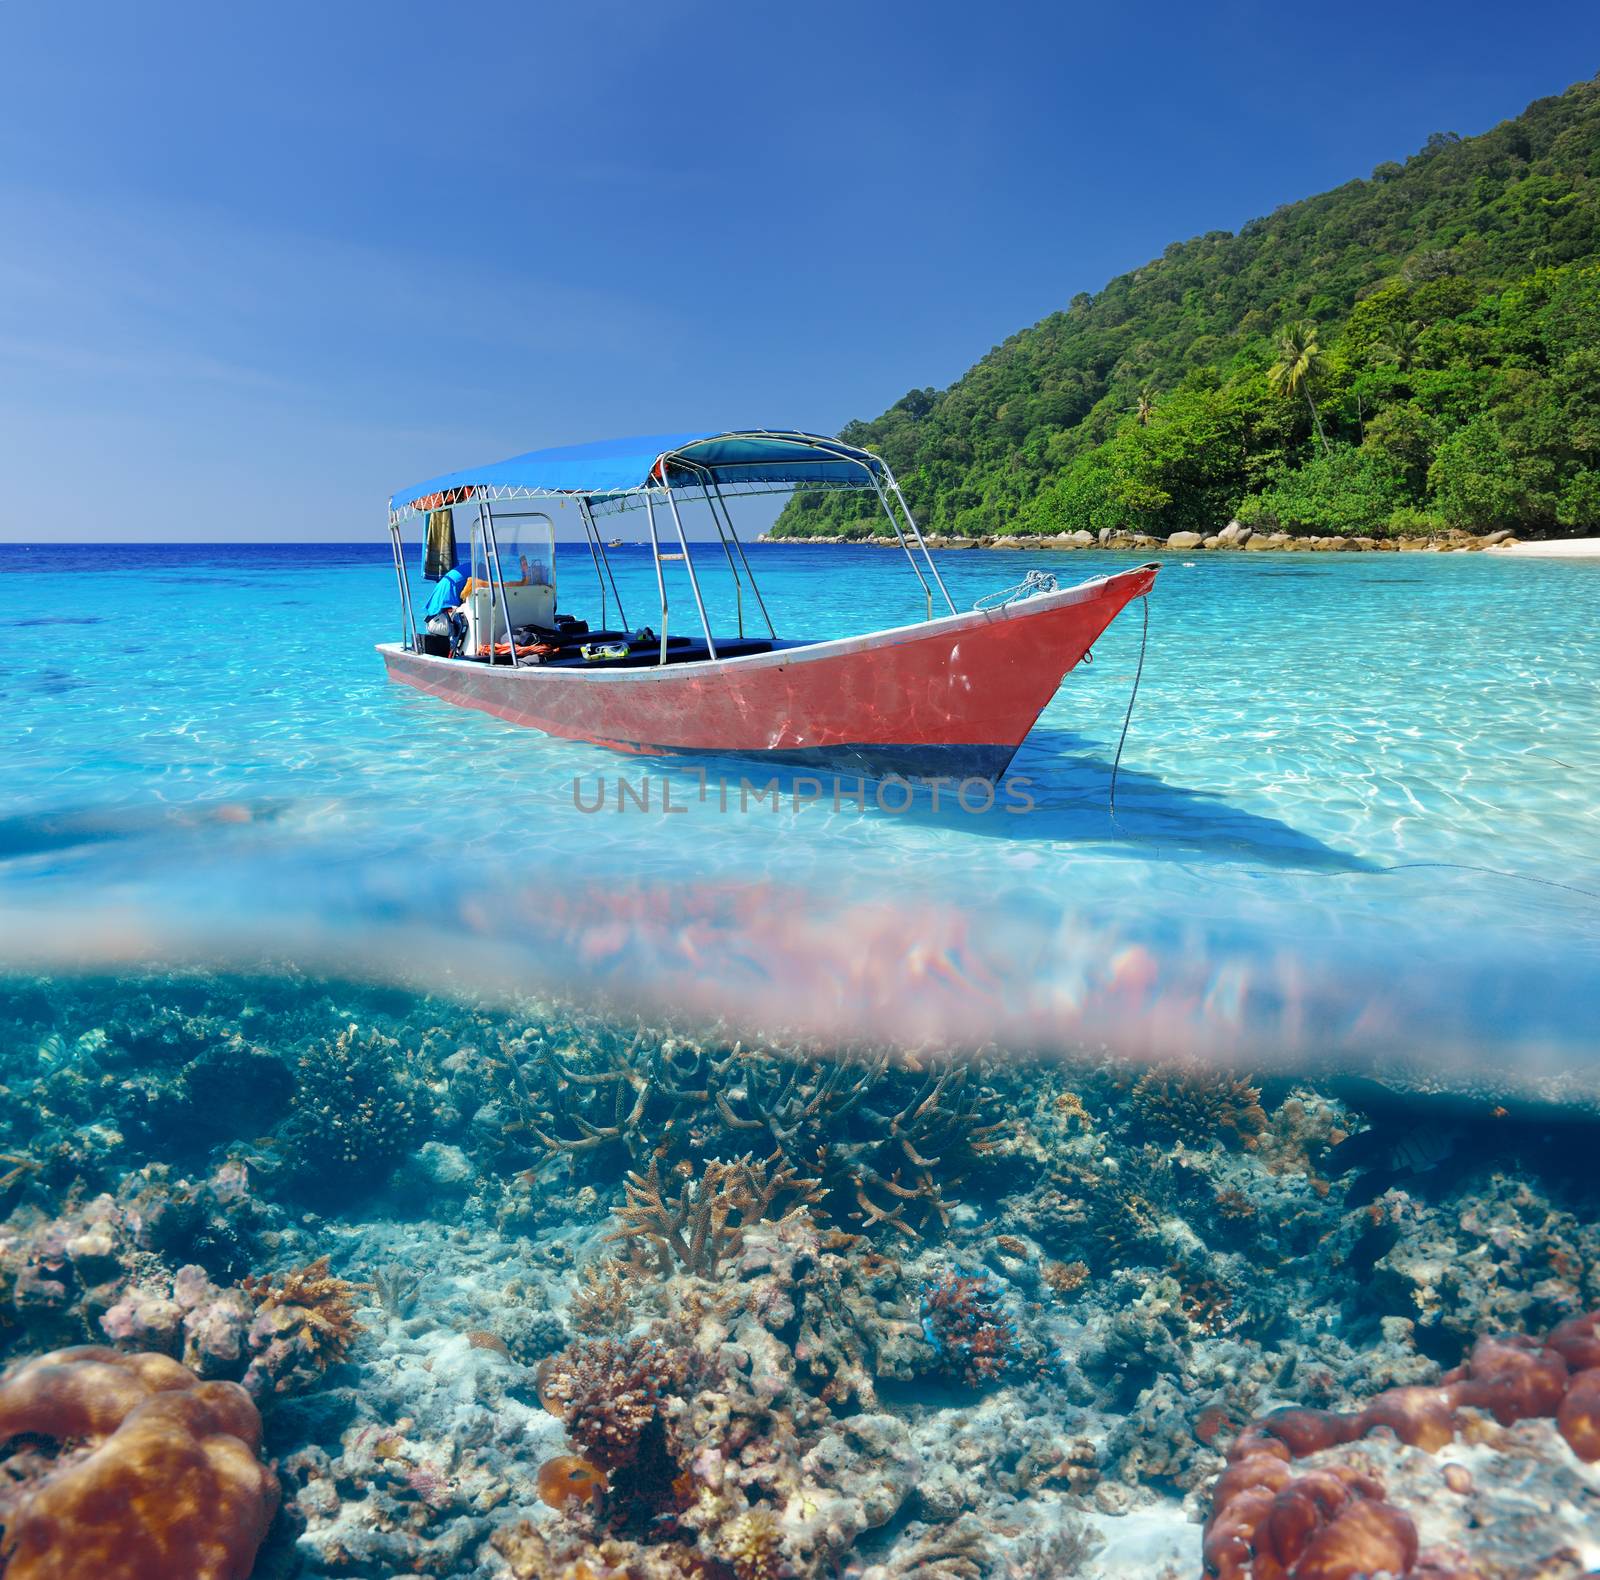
642,655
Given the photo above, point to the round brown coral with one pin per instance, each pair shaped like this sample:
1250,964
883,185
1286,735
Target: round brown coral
169,1483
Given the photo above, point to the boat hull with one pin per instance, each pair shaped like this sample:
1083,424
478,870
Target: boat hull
952,697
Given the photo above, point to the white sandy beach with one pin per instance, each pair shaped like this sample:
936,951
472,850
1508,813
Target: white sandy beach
1560,549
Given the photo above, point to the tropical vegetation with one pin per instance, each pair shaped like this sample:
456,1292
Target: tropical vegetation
1416,351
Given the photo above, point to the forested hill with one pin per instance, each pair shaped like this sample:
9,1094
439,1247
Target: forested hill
1415,350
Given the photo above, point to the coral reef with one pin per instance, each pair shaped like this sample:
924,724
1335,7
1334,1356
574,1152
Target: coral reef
965,1322
1335,1523
128,1468
356,1111
705,1223
304,1323
527,1291
888,1142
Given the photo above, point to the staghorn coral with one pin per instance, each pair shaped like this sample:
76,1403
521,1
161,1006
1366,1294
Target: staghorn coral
602,1303
304,1323
154,1473
14,1168
889,1141
704,1224
963,1320
1335,1523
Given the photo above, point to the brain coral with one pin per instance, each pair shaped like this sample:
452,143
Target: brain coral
157,1475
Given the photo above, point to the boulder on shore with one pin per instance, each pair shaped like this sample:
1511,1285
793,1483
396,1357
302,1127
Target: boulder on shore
1185,540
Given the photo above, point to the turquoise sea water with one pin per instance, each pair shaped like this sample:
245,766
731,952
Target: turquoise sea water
1357,813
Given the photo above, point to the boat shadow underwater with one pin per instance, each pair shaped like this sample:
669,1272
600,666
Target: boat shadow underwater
1059,791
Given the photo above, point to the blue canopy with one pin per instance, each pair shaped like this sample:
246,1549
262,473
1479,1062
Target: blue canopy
622,466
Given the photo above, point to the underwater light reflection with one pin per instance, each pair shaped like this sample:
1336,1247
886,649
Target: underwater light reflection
842,963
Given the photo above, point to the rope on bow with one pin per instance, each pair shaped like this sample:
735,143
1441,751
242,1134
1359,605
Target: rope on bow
1033,582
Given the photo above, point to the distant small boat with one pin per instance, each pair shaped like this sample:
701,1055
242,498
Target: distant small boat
615,543
949,695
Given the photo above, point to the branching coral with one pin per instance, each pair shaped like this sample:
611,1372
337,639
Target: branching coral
603,1301
305,1322
962,1318
156,1473
704,1223
1332,1524
14,1168
1199,1106
887,1141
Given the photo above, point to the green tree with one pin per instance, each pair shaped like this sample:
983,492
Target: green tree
1345,490
1398,344
1473,480
1300,363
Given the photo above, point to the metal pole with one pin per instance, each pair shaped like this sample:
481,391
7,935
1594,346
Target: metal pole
916,532
605,559
888,510
588,538
407,639
688,565
739,545
722,538
661,584
496,579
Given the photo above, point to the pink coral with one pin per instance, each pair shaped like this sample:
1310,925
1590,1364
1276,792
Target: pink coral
157,1473
1269,1524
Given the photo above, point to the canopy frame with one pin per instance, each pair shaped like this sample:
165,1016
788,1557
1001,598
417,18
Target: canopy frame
794,462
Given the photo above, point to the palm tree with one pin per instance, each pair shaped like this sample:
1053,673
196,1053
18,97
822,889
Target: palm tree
1298,367
1399,345
1145,407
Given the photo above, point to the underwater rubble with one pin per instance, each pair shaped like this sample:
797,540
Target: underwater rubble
400,1285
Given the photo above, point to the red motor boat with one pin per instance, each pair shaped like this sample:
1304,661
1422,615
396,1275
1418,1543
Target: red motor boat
952,695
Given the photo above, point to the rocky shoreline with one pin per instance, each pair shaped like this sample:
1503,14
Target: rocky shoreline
1234,537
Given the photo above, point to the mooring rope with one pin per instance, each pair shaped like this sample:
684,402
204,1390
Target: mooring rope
1033,582
1127,718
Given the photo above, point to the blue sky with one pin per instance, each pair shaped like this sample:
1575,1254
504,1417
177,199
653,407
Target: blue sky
260,265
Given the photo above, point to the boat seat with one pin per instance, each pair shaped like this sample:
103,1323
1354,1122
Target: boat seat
534,604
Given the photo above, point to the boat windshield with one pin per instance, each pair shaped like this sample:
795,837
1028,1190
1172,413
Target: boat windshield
526,544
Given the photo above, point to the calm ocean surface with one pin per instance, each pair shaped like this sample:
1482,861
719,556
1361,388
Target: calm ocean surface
1357,817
